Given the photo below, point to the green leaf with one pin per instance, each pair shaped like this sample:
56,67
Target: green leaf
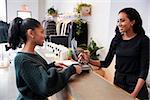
92,47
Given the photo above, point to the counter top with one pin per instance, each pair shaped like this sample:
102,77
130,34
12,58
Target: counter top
91,86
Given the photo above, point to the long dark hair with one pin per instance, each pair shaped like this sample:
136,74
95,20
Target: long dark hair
132,14
18,30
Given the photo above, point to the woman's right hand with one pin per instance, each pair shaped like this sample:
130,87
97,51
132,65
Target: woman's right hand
78,69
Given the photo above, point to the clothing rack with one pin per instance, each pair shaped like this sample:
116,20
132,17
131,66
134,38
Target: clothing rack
65,25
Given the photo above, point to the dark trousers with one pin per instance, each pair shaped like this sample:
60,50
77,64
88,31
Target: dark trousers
128,83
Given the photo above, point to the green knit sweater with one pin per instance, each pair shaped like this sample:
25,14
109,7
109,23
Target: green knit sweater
36,80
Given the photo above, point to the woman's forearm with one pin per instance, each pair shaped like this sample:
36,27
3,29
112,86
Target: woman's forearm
138,87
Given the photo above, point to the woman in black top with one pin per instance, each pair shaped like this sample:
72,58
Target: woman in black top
131,47
36,80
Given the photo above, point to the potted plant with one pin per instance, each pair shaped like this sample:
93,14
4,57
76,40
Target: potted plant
92,48
83,9
52,12
78,27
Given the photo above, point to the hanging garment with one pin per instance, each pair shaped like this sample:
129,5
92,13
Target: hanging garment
58,27
3,32
82,38
50,28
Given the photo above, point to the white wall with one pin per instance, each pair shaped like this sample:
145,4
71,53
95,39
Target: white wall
3,10
41,9
64,6
100,21
14,5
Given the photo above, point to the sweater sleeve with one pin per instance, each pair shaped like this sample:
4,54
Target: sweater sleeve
110,54
51,65
144,58
43,82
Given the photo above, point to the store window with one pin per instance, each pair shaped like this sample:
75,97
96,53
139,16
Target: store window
3,10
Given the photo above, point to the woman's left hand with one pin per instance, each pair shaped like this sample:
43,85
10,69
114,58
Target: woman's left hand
133,94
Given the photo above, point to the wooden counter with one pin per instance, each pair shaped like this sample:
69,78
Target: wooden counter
89,86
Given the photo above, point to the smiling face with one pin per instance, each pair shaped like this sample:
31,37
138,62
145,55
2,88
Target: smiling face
124,23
